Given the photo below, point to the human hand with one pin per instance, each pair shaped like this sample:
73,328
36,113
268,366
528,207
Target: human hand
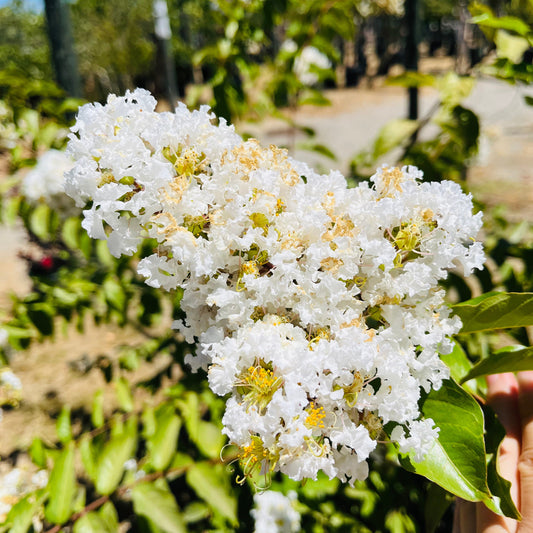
511,397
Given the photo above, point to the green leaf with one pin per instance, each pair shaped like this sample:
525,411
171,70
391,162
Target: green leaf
125,398
114,293
37,452
120,447
158,505
510,46
109,516
71,232
40,221
91,523
88,456
496,310
211,484
318,148
103,521
21,514
164,441
392,135
437,502
61,487
209,439
504,23
63,429
412,79
510,359
456,461
501,501
454,89
459,365
97,412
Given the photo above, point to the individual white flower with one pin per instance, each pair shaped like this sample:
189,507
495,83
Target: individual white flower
308,62
275,513
46,182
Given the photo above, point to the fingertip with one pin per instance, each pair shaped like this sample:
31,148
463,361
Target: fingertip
525,379
502,384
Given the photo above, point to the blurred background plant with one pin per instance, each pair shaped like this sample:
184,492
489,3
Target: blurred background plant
142,450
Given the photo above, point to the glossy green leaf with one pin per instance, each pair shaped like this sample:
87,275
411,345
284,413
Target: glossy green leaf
511,359
459,365
211,484
456,461
115,453
62,487
496,310
163,443
158,505
63,429
392,135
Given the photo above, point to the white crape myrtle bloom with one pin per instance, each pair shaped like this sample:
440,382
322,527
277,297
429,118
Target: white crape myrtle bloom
315,308
275,512
45,182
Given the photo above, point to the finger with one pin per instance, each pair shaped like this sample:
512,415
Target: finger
525,463
502,396
464,519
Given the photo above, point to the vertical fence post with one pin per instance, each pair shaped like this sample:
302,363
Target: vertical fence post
62,46
412,24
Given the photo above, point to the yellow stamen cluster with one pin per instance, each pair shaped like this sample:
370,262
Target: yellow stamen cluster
257,385
315,416
254,458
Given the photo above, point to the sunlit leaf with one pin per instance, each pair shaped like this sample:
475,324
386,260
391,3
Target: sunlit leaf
62,487
456,461
495,310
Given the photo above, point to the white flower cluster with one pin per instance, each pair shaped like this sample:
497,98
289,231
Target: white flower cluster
315,307
15,483
308,63
45,182
10,387
275,513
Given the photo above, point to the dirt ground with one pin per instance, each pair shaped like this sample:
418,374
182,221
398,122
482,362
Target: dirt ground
502,175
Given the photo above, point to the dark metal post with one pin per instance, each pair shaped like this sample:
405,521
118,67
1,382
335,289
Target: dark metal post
62,47
412,24
163,34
